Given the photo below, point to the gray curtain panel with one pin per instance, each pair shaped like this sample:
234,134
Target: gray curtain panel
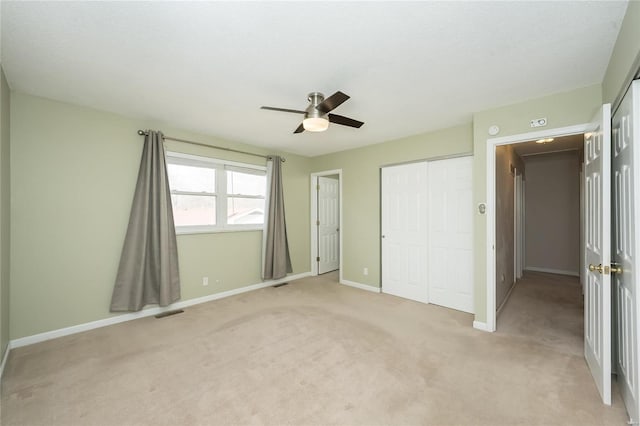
148,271
276,261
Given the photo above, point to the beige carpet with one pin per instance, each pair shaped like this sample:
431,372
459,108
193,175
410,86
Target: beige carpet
313,352
547,308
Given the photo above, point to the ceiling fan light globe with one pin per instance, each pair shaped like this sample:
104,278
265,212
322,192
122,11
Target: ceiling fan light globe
315,124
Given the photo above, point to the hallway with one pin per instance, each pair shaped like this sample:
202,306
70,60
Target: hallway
547,309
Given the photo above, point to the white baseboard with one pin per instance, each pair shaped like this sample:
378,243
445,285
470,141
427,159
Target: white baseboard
4,359
48,335
481,326
360,286
552,271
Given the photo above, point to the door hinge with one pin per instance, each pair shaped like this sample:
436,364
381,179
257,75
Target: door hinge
318,187
318,259
318,222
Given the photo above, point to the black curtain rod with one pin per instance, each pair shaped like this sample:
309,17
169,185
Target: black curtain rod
143,133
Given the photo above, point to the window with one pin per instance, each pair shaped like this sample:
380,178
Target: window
210,195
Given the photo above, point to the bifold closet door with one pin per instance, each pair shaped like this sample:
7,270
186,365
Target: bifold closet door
450,234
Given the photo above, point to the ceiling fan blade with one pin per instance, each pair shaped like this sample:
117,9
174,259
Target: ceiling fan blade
296,111
332,102
345,121
300,129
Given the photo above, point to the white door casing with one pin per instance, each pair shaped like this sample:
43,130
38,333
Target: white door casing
450,232
626,245
597,304
313,228
517,226
487,208
328,224
404,231
583,252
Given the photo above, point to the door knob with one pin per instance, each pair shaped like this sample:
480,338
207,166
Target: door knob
593,268
616,268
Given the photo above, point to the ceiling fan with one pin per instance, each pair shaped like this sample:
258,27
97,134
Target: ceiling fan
317,115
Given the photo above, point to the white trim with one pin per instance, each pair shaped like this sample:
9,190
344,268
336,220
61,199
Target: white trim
214,161
314,218
4,359
491,203
360,286
429,159
478,325
212,229
48,335
516,247
541,134
552,271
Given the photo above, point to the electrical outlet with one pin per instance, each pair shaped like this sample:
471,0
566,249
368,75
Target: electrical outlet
365,271
205,280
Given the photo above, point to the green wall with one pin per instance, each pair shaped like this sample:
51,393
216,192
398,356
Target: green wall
4,212
625,58
361,191
73,173
561,110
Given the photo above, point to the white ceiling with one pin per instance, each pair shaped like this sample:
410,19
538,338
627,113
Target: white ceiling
560,144
208,66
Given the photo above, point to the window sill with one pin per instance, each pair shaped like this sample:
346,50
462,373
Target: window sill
189,230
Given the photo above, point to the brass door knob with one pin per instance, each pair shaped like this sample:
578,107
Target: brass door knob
616,268
593,268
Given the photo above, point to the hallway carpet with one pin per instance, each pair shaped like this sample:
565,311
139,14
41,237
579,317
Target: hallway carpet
548,309
313,352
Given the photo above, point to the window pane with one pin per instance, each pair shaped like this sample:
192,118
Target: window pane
246,183
189,210
241,211
191,179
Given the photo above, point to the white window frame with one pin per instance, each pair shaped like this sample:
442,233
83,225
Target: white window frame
221,166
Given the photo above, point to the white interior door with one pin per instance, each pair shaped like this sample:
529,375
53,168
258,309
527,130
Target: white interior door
597,304
328,224
404,231
583,252
626,243
518,227
450,215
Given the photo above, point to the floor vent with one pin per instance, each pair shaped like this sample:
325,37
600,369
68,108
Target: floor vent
169,313
279,285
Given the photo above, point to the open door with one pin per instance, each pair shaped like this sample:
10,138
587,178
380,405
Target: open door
518,226
328,224
597,302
